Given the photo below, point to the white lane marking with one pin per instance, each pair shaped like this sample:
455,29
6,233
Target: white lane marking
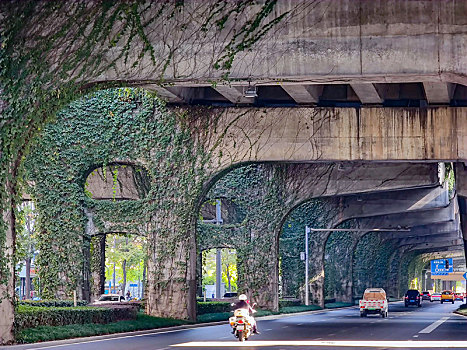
299,324
415,336
434,325
337,343
285,327
269,329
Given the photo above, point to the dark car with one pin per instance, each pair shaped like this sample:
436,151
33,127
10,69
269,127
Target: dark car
426,296
230,295
412,297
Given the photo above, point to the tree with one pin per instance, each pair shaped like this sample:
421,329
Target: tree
229,267
26,241
125,259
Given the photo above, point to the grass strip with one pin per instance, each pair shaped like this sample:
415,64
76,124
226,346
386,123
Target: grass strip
337,304
46,333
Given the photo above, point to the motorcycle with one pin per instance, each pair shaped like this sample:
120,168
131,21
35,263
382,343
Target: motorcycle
241,322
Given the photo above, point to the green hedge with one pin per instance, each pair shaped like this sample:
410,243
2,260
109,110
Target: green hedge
211,307
45,333
52,303
289,303
33,316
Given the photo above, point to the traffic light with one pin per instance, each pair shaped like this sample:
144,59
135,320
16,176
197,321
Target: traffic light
446,264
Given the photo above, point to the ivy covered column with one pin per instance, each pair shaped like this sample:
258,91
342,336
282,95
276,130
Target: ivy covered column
316,213
372,264
7,267
98,243
338,260
123,127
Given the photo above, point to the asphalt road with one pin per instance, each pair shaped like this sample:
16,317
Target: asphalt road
431,326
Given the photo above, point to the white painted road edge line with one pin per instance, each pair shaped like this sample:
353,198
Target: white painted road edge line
338,343
434,325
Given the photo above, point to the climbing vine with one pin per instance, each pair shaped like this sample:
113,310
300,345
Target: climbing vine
371,263
53,52
122,125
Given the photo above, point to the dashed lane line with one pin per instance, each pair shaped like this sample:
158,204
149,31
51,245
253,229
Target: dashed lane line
434,325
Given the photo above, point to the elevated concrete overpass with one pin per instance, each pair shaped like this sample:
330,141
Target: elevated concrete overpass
404,78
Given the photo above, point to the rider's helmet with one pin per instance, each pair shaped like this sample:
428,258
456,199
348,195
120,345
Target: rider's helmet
242,297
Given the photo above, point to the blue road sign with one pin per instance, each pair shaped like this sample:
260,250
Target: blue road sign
441,266
465,276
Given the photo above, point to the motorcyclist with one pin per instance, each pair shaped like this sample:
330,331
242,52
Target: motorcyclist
243,303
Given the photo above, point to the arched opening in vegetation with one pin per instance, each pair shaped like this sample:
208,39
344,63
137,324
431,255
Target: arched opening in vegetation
226,259
125,265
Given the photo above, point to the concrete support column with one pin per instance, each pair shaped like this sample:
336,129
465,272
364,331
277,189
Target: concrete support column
98,243
171,288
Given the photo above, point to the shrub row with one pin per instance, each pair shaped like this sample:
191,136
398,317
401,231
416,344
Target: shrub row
211,307
33,316
52,303
289,302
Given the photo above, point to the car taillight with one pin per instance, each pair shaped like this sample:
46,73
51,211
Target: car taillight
406,297
418,297
240,321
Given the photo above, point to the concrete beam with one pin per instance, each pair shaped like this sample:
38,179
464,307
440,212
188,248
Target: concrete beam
367,93
366,205
304,94
163,93
449,245
438,92
446,239
341,134
233,94
427,230
306,181
410,219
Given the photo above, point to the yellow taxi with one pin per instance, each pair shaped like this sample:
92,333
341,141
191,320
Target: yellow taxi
447,295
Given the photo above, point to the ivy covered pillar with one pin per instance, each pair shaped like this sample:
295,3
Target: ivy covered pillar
7,267
338,264
258,194
316,213
98,243
138,139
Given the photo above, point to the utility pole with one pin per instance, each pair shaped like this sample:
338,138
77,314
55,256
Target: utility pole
218,252
307,231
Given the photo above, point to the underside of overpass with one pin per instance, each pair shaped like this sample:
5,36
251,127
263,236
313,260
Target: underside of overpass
343,115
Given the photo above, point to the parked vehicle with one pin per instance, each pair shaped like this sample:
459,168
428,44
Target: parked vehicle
426,295
447,295
374,302
242,324
459,296
412,297
110,298
230,295
435,297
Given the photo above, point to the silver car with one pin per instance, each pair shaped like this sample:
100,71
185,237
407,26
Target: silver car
435,297
109,299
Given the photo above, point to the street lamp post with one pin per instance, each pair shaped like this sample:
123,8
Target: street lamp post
307,231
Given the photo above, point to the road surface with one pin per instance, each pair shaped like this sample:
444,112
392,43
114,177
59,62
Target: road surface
431,326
